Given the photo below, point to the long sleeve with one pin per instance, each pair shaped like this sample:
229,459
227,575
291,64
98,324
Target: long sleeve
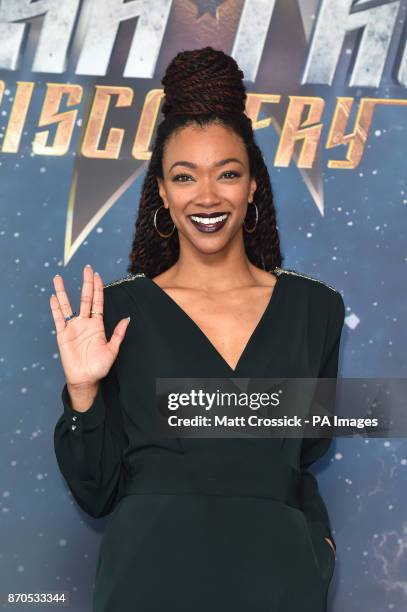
314,448
89,445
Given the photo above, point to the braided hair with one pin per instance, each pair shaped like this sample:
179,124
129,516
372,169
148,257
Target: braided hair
202,86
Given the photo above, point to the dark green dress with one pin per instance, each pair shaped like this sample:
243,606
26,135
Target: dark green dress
203,524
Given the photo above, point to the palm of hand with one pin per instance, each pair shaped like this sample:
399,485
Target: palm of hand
86,354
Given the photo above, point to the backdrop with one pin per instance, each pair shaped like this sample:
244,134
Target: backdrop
80,97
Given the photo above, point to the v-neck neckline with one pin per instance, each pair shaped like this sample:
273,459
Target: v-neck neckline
244,355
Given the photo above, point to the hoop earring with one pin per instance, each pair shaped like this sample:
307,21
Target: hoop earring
249,231
155,224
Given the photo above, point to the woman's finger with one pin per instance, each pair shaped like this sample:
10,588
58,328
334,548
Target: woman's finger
98,297
61,295
87,292
57,314
118,335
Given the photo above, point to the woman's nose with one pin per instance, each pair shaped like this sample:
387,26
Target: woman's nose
207,192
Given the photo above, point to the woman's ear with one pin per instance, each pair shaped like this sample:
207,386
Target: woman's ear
253,187
161,189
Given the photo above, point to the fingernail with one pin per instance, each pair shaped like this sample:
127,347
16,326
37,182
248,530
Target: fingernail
97,273
128,318
56,275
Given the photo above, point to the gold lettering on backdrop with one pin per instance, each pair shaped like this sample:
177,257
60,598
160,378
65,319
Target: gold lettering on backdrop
18,116
97,119
253,106
307,131
357,139
294,129
148,118
64,121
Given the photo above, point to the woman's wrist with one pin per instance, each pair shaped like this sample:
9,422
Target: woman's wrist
82,396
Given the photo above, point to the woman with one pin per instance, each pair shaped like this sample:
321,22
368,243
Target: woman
197,524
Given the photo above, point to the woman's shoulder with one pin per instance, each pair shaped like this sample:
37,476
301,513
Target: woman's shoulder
118,292
321,295
124,279
304,278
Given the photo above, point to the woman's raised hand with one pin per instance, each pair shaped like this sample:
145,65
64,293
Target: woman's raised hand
86,355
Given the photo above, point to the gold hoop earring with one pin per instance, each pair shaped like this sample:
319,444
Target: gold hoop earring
155,224
249,231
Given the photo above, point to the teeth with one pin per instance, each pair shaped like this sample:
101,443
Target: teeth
209,221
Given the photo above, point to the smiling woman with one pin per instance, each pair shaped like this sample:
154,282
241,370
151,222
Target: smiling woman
205,162
216,192
206,523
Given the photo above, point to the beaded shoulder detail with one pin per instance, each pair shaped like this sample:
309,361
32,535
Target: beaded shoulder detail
279,271
124,279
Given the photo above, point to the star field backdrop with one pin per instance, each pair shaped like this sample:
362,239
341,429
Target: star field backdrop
329,74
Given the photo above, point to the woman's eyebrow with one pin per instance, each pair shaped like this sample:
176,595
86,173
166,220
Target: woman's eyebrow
221,162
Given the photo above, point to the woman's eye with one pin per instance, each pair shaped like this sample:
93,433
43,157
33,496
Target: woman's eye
178,176
235,174
230,174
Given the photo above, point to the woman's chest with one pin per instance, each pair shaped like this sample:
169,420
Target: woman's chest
164,341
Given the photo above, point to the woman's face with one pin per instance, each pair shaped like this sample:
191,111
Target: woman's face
201,180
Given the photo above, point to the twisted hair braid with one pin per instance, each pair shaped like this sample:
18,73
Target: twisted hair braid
202,86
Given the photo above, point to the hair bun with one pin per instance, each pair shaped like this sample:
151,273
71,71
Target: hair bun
203,81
